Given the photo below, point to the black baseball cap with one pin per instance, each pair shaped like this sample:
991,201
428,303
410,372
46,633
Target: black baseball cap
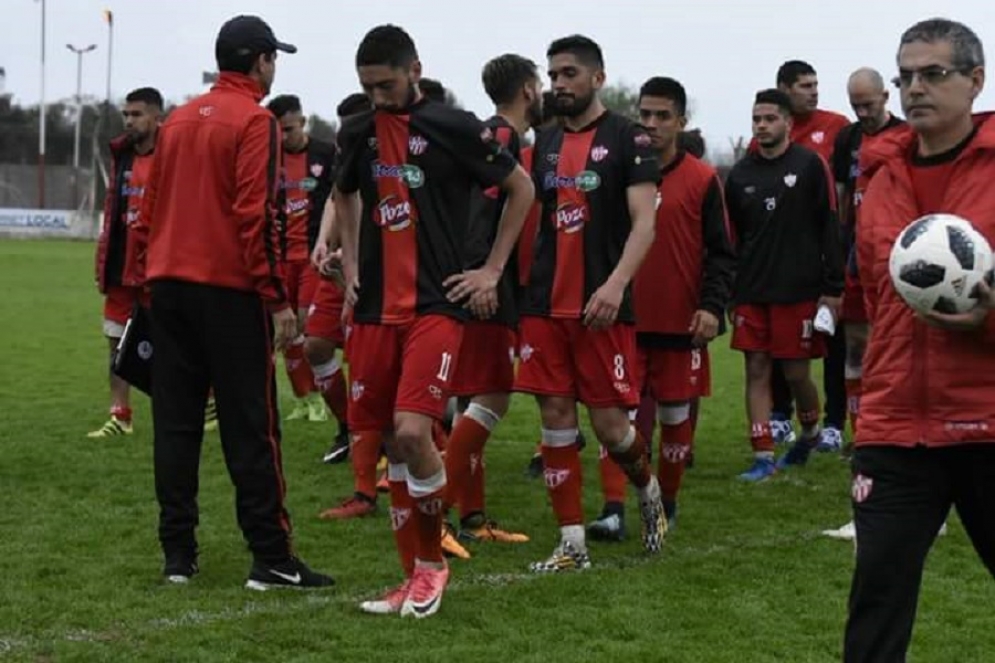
246,35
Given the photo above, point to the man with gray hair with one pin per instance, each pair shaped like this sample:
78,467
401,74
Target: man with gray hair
925,440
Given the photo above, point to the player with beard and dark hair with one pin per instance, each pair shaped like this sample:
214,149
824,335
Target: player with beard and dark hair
815,129
120,248
596,176
402,200
781,201
485,375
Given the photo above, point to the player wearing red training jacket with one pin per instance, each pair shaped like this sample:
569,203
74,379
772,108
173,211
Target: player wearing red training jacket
597,177
402,199
680,294
815,129
485,373
305,184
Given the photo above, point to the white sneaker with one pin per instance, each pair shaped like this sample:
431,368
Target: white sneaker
846,533
849,532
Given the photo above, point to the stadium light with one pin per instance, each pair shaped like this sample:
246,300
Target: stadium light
79,52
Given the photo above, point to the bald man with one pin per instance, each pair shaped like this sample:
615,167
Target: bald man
869,100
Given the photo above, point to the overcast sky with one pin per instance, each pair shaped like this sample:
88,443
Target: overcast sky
722,50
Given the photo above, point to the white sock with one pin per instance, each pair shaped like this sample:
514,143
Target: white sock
574,534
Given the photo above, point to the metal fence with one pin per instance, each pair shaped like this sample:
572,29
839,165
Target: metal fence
19,187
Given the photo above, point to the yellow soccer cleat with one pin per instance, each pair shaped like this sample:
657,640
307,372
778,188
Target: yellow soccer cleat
113,428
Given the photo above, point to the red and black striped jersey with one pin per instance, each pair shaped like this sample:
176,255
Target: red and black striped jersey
415,173
581,179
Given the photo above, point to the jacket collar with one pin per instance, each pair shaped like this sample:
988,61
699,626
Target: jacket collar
240,83
899,142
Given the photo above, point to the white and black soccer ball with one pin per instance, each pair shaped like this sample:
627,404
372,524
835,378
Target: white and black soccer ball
937,262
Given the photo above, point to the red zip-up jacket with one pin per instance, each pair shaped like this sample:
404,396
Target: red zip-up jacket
210,201
922,385
115,236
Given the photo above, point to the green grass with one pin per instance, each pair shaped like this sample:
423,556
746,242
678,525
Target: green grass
745,578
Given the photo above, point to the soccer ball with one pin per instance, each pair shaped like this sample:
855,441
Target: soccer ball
937,262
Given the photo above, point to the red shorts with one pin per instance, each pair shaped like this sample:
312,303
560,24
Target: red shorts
784,331
565,358
853,301
324,316
486,360
301,280
672,376
118,304
401,368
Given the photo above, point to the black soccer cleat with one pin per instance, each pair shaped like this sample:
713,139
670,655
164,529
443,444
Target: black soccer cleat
339,451
180,568
290,574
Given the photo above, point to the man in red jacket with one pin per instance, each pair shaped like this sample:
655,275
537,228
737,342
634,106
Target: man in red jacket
816,129
926,431
212,267
120,251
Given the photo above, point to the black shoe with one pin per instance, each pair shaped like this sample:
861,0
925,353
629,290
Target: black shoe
179,568
535,467
292,574
339,451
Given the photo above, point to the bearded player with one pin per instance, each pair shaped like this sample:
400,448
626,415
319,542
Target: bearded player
596,177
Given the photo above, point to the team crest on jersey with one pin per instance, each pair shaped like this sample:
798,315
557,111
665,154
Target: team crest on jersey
818,137
417,145
371,142
357,390
570,217
317,169
642,140
861,488
790,180
393,214
598,153
486,135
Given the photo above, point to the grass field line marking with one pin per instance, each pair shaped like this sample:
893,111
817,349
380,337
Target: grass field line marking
302,601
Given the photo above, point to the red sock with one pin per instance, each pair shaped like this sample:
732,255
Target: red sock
465,460
439,437
121,413
633,460
761,439
427,497
675,446
364,453
298,370
331,383
562,472
854,388
402,517
613,479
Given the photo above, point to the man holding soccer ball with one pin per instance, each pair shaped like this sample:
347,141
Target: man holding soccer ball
926,434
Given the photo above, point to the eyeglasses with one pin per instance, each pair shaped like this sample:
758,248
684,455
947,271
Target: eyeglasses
932,75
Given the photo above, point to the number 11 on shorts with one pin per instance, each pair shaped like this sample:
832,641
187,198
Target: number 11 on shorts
445,367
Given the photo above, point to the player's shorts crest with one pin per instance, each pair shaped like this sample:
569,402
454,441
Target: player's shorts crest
861,488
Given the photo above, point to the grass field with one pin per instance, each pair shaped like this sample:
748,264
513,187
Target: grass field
746,577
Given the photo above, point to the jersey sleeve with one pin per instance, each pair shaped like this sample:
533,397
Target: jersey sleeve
641,165
824,197
350,148
475,147
720,257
